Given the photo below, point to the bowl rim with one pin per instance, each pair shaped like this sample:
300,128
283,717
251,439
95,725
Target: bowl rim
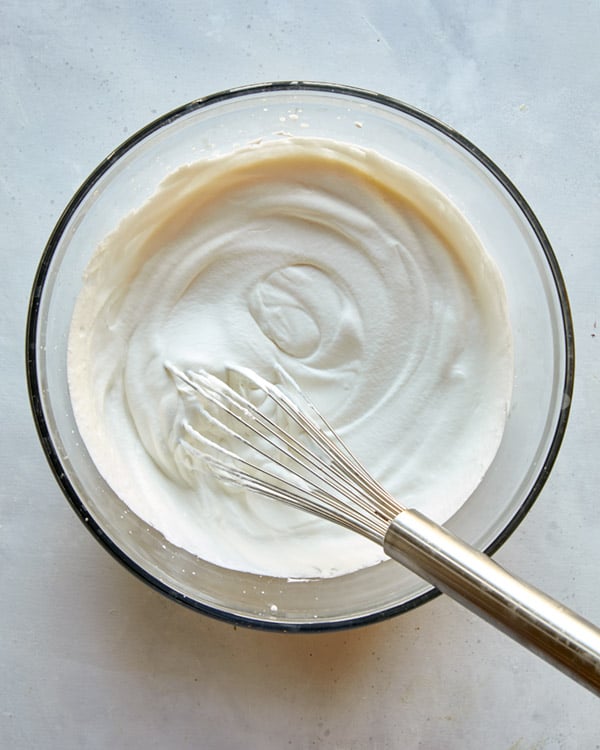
33,322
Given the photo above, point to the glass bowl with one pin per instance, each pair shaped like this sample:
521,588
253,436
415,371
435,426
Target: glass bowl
538,308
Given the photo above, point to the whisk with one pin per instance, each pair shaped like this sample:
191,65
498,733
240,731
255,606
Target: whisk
272,440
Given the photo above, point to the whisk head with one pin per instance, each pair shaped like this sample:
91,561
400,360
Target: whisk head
271,440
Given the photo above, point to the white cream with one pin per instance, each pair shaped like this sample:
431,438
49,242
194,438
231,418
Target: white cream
356,276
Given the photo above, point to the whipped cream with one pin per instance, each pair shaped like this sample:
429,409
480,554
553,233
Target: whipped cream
353,274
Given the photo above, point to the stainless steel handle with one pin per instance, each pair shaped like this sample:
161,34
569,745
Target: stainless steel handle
532,618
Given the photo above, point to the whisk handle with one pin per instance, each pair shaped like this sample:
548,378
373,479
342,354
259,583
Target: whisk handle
532,618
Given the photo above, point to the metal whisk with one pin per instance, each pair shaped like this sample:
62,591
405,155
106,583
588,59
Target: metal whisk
272,440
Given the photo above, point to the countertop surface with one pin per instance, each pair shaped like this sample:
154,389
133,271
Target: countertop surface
92,658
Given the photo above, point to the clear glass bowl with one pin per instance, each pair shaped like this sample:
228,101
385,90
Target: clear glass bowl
538,306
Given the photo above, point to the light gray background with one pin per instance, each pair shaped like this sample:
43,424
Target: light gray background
90,657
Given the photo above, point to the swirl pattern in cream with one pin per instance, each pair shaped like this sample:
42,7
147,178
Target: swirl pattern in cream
351,272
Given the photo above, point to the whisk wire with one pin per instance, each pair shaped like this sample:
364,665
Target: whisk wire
327,439
342,462
312,499
319,505
286,443
333,483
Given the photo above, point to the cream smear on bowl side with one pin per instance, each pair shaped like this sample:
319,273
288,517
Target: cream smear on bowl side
352,273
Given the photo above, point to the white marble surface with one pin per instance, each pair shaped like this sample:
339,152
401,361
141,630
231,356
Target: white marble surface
90,657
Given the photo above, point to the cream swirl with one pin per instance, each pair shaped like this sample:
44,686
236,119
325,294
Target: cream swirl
353,274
